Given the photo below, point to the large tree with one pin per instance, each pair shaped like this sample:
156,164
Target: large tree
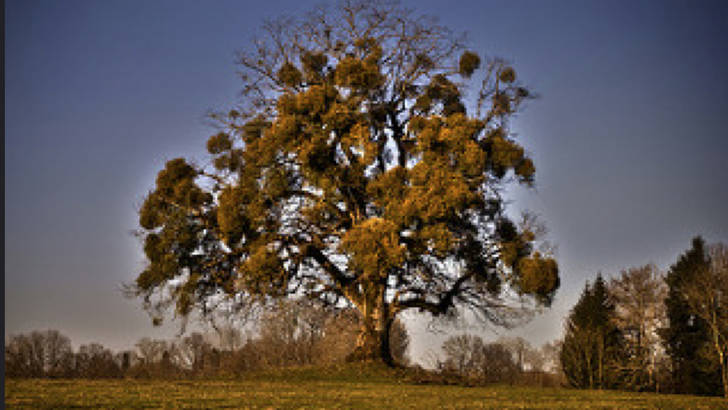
353,172
687,334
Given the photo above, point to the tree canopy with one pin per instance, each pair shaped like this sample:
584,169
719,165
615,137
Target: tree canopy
355,170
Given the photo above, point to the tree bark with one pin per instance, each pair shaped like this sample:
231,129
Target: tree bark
724,373
373,342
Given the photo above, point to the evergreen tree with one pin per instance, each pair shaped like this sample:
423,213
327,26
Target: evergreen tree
686,335
592,343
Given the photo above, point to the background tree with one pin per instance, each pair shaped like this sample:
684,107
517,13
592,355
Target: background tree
638,295
686,334
59,354
462,354
497,364
535,359
291,331
592,342
191,352
126,359
469,357
707,296
524,355
340,334
550,353
151,350
300,332
230,337
94,361
353,173
39,354
18,353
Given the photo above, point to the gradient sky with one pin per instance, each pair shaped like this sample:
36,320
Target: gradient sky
630,137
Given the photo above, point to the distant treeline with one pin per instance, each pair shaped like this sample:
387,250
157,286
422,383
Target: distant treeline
642,330
292,333
649,331
471,360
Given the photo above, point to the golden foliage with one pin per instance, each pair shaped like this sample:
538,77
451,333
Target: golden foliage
374,247
357,74
313,65
289,75
219,143
253,129
538,275
230,215
469,62
507,75
262,273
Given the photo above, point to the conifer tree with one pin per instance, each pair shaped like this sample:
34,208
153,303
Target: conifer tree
687,335
707,297
592,345
353,173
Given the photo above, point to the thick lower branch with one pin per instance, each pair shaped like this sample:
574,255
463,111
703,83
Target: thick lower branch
337,275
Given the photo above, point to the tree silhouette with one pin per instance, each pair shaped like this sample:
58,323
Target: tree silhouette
706,295
687,334
592,343
353,173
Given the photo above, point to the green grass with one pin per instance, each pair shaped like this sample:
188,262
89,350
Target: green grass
339,387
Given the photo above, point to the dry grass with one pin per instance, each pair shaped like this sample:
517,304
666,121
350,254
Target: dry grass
352,387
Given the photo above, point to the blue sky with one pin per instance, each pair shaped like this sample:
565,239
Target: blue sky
629,136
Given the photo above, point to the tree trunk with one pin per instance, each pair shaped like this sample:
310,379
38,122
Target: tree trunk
724,373
590,371
372,344
600,360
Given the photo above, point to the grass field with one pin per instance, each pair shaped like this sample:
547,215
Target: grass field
317,389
